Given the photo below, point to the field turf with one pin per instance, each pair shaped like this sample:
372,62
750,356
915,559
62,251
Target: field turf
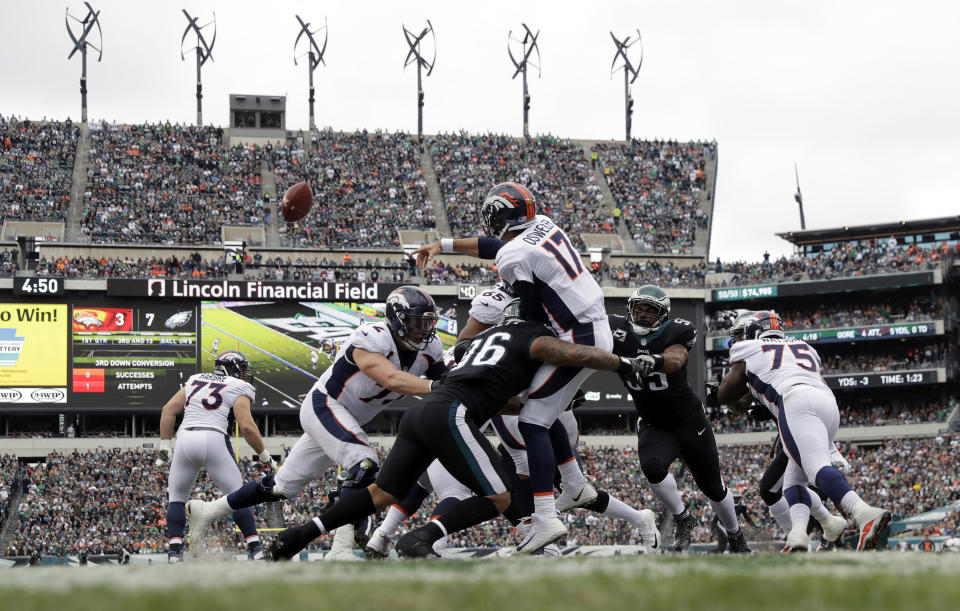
871,582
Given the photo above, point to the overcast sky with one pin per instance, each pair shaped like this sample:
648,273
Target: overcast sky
864,96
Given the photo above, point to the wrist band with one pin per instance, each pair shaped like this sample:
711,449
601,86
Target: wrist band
657,362
446,246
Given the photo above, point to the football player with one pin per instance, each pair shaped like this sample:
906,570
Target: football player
535,257
379,363
672,423
207,401
499,363
784,374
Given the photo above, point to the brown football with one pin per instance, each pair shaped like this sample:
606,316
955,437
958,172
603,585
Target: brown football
297,202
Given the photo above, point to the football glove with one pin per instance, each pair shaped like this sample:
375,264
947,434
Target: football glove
165,453
267,460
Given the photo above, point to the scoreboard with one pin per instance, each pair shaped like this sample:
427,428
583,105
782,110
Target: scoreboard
131,356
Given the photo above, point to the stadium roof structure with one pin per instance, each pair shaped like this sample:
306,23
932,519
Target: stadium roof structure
862,232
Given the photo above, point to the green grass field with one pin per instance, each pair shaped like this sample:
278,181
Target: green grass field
874,582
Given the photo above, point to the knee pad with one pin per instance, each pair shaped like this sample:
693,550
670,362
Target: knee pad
359,475
654,470
267,486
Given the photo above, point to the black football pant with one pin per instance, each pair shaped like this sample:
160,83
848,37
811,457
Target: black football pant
691,441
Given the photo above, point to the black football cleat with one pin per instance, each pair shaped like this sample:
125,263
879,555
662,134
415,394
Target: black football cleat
738,543
292,541
683,530
416,544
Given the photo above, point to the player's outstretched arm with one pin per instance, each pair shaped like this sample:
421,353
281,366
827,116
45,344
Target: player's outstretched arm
384,373
249,429
463,246
555,352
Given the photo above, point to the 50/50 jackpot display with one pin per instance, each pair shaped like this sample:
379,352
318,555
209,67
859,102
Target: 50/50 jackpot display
130,355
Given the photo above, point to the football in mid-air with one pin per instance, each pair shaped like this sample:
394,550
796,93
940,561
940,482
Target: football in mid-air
297,202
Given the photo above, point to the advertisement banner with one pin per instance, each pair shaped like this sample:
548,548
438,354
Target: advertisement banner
248,290
33,352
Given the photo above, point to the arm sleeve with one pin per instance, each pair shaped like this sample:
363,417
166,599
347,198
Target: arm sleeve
487,248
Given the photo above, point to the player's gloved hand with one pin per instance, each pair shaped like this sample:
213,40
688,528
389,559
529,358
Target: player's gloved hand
711,394
267,460
165,453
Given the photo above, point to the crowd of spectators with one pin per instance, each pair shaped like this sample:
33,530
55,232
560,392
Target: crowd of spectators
104,500
167,184
365,187
9,485
855,258
827,315
36,168
632,274
899,359
659,186
555,170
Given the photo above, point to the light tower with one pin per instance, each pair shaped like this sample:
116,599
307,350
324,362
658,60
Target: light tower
315,54
528,44
630,73
80,43
203,50
415,54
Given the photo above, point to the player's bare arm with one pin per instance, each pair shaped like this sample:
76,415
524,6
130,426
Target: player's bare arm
555,352
384,373
248,428
172,409
473,328
674,358
733,388
512,407
463,246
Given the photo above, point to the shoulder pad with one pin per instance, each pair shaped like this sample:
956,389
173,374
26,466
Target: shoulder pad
372,337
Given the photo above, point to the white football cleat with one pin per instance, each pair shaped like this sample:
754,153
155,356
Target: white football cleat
200,515
575,495
870,521
543,533
378,547
551,551
797,541
649,533
833,527
341,550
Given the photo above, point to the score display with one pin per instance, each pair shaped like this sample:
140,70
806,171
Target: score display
854,334
131,356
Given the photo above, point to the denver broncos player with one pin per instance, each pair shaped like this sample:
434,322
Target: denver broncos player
535,257
207,401
672,423
784,375
378,364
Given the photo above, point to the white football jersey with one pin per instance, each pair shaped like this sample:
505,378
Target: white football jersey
358,393
487,307
774,365
210,397
543,255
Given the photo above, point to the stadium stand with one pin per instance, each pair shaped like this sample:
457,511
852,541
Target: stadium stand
555,170
365,187
658,186
36,168
167,184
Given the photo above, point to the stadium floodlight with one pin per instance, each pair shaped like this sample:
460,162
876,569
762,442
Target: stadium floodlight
203,50
415,55
630,72
315,54
80,43
527,44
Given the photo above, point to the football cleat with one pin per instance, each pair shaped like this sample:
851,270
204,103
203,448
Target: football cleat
341,550
543,533
549,551
871,524
200,516
833,527
649,534
362,529
575,496
291,541
174,557
416,544
682,531
797,541
738,543
378,546
257,553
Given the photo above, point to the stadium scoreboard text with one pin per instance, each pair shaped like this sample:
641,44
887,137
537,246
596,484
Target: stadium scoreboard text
853,334
877,380
744,292
249,290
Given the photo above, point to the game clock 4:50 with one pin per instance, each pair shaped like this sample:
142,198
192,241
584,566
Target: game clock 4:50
47,286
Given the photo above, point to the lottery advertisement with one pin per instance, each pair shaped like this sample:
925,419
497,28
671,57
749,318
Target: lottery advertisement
33,353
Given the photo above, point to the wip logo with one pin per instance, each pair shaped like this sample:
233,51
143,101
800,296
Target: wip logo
48,395
10,395
10,347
